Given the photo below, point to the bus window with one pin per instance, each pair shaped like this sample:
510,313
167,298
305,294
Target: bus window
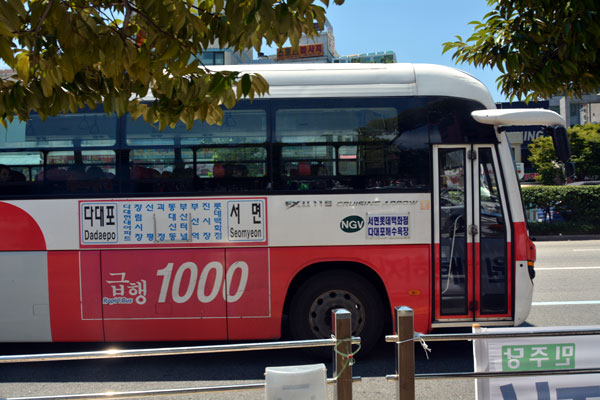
233,162
161,170
238,127
327,125
16,169
78,171
21,166
227,169
347,160
359,148
308,167
450,122
223,158
84,129
67,161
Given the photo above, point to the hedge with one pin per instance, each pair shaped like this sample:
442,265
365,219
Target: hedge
579,207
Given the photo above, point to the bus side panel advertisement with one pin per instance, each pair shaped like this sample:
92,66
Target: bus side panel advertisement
247,283
175,294
163,295
163,284
67,319
249,310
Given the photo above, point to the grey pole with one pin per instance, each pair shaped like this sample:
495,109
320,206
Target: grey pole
342,329
405,353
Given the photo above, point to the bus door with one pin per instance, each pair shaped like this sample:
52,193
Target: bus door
471,236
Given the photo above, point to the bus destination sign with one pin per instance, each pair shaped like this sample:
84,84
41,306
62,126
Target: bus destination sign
155,222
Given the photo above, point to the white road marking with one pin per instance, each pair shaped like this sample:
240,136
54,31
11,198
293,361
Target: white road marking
561,268
565,303
594,249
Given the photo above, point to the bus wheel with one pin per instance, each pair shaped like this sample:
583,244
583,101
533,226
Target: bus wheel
310,309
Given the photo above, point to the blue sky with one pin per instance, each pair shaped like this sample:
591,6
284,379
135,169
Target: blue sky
413,29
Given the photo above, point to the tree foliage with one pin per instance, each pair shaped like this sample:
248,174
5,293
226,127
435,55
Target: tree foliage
585,149
585,154
544,159
70,53
541,47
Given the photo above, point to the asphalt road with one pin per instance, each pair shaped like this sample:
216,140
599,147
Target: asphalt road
566,293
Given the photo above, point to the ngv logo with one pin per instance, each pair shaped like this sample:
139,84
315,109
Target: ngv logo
351,224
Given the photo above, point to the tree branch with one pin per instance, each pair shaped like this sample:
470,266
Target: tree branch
127,17
37,30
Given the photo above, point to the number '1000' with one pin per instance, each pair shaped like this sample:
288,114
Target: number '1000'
199,284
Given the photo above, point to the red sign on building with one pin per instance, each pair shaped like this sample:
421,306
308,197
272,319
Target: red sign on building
304,51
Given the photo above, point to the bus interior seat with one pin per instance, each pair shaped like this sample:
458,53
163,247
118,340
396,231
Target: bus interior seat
303,169
218,170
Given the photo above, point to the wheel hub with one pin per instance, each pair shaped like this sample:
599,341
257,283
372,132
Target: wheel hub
320,312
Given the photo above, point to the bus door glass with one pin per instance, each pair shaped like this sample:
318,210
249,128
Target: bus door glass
470,235
492,250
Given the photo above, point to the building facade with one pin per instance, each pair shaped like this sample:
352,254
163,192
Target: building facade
577,111
378,57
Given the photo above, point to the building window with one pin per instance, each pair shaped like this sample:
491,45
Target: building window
213,58
575,110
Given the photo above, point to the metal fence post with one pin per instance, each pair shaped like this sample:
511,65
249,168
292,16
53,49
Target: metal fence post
405,353
342,329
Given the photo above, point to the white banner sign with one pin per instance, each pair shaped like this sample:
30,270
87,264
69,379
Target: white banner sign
536,354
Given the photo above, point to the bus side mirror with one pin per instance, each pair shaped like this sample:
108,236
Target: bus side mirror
561,143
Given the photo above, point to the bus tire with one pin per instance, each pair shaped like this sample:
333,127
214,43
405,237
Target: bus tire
310,309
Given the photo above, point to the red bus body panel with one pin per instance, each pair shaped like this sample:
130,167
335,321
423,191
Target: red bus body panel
77,282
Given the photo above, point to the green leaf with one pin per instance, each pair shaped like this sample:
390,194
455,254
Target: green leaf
171,50
46,85
136,109
23,67
71,56
6,52
246,84
66,70
9,15
217,83
523,39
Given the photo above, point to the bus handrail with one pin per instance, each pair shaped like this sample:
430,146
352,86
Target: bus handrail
171,351
405,337
449,337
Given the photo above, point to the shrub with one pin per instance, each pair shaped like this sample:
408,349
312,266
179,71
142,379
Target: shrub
562,228
578,205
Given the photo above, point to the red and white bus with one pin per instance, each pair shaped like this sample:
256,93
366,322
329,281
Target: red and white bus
356,186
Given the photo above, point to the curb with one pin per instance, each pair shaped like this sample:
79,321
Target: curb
553,238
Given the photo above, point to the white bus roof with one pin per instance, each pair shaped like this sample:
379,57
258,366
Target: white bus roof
366,80
519,116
